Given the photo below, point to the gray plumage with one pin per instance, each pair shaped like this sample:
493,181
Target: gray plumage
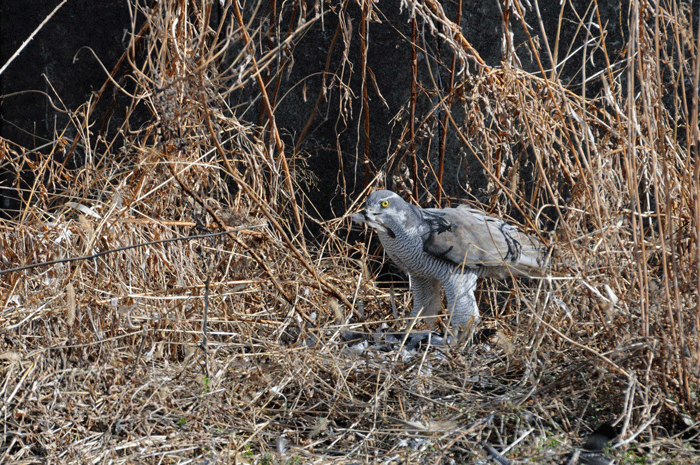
450,248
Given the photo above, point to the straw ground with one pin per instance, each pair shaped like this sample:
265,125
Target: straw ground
232,348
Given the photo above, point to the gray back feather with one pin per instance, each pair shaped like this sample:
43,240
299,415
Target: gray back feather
471,238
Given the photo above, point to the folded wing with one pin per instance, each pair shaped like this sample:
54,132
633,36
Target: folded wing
470,238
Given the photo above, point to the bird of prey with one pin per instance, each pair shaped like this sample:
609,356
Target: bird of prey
450,248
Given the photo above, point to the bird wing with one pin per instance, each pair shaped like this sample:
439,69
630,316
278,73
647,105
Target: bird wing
469,237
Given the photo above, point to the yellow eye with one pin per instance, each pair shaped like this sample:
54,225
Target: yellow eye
385,203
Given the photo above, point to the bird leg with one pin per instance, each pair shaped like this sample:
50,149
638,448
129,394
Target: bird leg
427,299
461,303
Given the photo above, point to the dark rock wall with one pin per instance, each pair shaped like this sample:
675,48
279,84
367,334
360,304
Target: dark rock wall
52,74
47,65
53,62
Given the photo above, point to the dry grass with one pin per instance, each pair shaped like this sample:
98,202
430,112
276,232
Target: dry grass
230,348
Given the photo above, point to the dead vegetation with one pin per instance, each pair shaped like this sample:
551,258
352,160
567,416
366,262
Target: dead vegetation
231,348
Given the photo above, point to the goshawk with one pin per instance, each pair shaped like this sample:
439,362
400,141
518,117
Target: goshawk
449,247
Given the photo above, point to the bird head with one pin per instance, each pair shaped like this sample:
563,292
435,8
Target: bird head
385,211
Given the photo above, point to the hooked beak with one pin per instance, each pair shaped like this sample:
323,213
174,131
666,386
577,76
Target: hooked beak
370,219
